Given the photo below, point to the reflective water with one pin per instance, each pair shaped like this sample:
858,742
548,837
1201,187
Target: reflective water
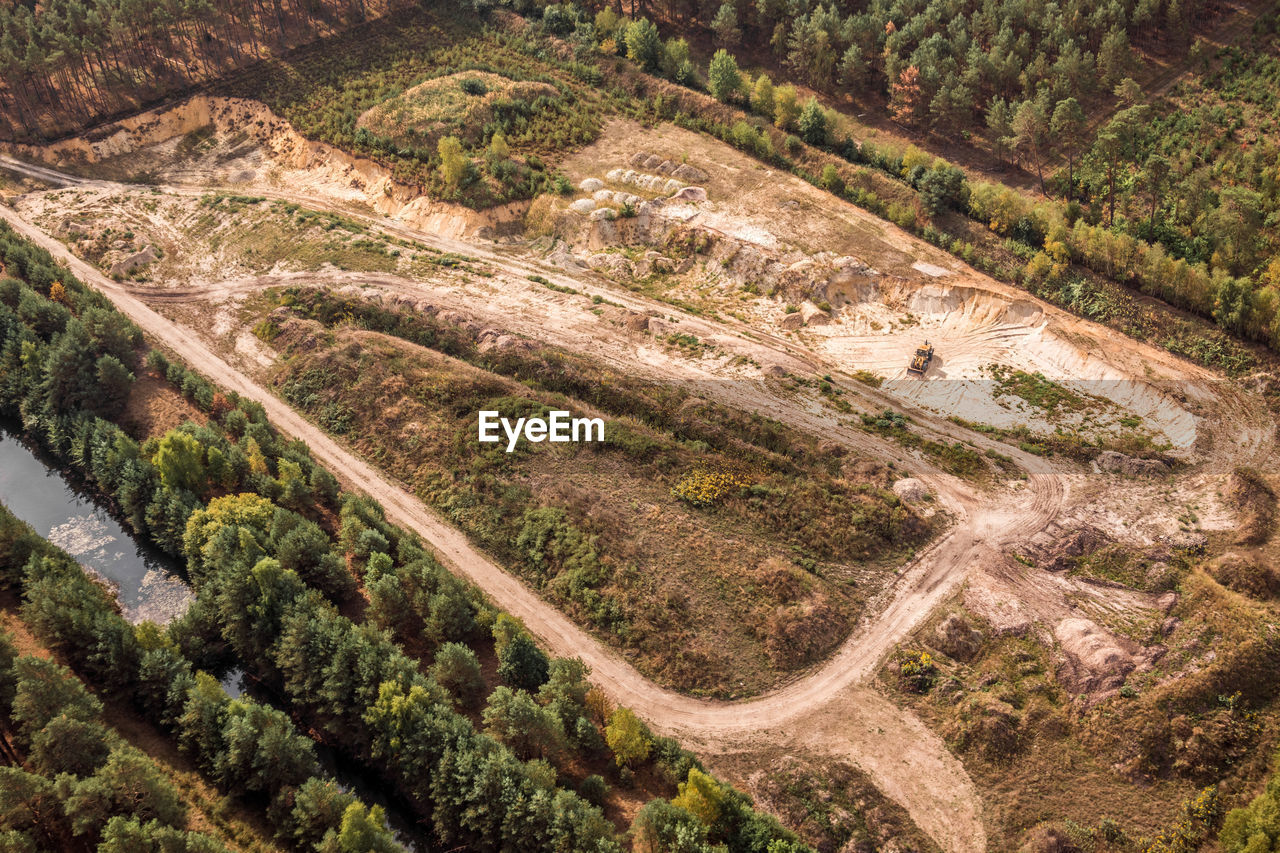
146,581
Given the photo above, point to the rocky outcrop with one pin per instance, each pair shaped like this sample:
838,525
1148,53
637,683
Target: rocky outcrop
495,339
791,321
611,264
690,174
1118,463
813,315
1190,541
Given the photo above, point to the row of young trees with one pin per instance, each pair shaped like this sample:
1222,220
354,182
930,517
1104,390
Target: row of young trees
69,781
1219,263
942,65
269,581
241,745
69,63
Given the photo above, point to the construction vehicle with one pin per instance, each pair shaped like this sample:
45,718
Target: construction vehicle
920,361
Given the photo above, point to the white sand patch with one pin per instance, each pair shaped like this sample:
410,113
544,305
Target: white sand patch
755,234
931,269
247,344
879,326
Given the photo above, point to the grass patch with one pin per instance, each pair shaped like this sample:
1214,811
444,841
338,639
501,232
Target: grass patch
959,459
607,531
460,104
1035,389
388,89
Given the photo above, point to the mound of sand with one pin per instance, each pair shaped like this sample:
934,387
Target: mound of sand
910,489
1118,463
1246,575
957,638
1255,504
1095,659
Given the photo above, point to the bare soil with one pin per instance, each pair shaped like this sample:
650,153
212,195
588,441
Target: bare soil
831,709
154,408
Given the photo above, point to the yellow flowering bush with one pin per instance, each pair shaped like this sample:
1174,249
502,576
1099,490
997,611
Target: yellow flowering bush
918,671
703,488
1199,818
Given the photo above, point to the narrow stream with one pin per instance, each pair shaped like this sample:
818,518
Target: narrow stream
350,776
148,585
147,582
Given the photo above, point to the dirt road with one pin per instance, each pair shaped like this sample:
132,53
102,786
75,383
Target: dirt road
829,709
939,795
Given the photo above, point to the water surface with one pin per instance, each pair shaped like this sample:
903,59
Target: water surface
147,583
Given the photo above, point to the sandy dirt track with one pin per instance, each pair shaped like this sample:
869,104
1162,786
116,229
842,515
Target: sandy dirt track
778,716
940,798
829,709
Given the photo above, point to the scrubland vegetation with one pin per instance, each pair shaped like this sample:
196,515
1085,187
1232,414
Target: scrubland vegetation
426,93
351,633
1098,769
624,535
720,551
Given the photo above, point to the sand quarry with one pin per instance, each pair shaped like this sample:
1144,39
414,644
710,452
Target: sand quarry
793,284
887,293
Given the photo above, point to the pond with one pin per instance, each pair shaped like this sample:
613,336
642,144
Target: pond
148,586
146,581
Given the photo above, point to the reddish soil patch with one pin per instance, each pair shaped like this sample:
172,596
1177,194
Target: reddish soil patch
154,408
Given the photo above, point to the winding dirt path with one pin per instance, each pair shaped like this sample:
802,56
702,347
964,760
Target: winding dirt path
827,710
830,710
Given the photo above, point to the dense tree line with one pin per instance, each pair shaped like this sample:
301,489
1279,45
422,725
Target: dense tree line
68,781
241,745
949,66
70,63
1194,174
1193,230
1255,828
269,581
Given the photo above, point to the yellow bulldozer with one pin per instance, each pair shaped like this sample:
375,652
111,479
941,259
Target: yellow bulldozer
920,361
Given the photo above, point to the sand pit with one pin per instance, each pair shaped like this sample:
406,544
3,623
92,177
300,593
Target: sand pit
918,292
881,322
779,236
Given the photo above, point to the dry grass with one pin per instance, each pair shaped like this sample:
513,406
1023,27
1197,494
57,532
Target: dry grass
709,599
831,804
1255,504
1203,714
154,408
